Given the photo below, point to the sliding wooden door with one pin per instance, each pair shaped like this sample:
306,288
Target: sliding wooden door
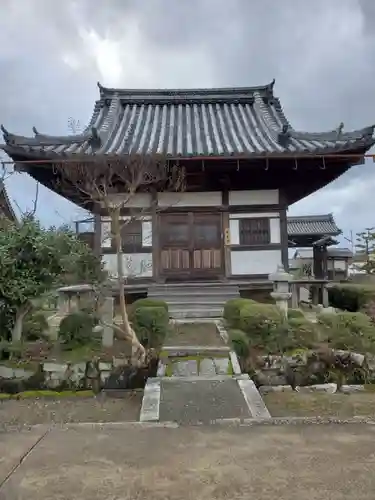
191,246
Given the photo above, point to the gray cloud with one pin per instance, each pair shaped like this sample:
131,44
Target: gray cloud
321,53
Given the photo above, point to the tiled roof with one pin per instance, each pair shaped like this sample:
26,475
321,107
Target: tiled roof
312,225
6,208
223,122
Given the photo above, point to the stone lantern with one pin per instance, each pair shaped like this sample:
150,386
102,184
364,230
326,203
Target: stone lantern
281,289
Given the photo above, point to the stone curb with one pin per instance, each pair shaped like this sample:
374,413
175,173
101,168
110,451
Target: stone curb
234,422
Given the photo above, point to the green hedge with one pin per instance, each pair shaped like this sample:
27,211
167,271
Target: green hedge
261,323
348,331
146,302
76,328
240,343
35,326
300,334
151,325
232,310
295,314
350,298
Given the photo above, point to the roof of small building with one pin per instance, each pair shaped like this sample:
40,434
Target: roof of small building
312,225
217,122
335,252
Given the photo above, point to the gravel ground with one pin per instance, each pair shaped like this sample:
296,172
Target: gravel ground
287,404
49,411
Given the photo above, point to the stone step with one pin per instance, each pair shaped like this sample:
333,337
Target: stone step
188,312
194,291
195,302
173,306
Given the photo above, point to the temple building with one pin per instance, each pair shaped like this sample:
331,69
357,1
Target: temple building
6,209
244,165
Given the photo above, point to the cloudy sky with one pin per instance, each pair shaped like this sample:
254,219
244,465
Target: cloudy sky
321,53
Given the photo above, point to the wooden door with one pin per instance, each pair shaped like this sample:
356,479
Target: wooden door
190,246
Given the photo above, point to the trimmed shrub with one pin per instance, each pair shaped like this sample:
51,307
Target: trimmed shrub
240,343
350,298
76,328
295,314
300,334
35,326
262,324
146,302
150,325
348,331
232,310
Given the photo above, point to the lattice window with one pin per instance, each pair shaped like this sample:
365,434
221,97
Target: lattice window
131,236
255,231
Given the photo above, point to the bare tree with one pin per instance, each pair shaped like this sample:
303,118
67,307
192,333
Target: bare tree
111,184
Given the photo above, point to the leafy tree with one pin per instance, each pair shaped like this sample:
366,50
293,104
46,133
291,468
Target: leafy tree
33,260
365,246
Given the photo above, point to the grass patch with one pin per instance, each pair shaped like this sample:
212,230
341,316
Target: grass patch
80,354
47,394
291,404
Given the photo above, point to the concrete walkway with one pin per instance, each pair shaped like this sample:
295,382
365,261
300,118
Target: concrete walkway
130,462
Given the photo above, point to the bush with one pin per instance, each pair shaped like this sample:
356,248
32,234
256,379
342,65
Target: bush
240,343
348,331
143,303
350,298
261,323
300,334
76,328
295,314
150,325
35,326
232,310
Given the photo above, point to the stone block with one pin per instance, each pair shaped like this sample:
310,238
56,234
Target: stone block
6,372
185,368
55,367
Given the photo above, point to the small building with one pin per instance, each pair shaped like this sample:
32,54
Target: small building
338,262
244,165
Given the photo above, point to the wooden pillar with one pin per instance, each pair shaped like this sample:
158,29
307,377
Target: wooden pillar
156,226
284,230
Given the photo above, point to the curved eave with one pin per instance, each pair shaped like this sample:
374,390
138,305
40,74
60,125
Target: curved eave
5,204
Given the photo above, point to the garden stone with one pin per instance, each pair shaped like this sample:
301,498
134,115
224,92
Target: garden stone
6,372
55,367
328,388
105,366
352,388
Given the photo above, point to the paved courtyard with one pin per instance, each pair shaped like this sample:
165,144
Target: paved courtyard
203,462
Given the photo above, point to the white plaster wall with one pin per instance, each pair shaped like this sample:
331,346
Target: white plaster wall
234,227
138,200
252,197
204,199
136,265
254,261
146,231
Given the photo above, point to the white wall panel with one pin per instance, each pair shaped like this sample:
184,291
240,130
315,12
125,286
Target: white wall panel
136,265
252,197
204,199
254,261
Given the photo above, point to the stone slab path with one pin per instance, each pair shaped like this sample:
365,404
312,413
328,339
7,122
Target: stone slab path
189,402
207,387
130,462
